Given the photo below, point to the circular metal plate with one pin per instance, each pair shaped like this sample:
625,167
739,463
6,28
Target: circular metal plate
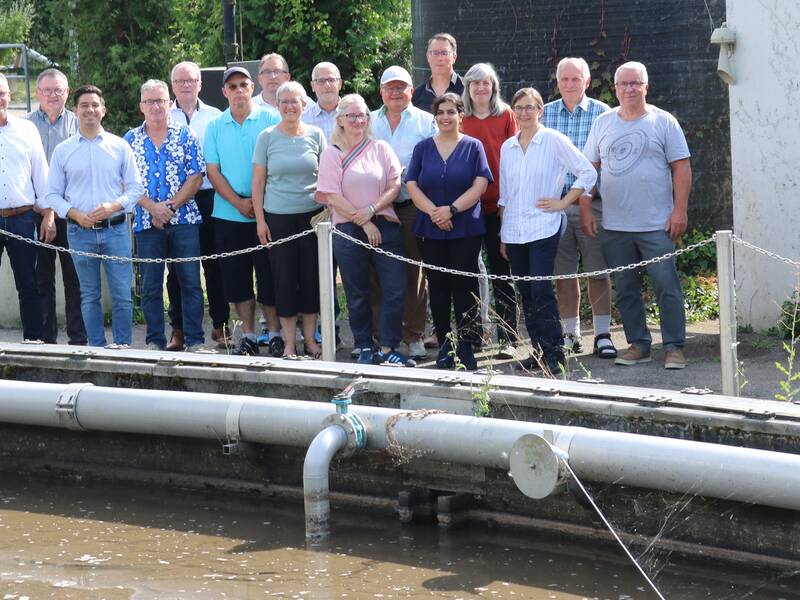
534,466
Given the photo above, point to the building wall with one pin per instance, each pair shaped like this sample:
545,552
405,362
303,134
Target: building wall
525,40
765,129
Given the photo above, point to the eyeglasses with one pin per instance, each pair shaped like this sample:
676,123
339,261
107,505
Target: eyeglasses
234,86
156,101
528,108
180,82
396,89
272,72
353,117
439,52
57,92
326,80
629,84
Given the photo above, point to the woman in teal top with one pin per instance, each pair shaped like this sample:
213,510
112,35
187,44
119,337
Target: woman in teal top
285,166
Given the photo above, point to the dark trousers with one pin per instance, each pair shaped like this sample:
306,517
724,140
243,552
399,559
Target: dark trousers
458,291
46,280
23,264
538,297
218,308
355,264
505,299
295,268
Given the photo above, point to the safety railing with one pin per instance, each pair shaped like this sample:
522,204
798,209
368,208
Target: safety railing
725,241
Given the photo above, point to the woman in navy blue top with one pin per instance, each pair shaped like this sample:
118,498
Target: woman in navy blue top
446,177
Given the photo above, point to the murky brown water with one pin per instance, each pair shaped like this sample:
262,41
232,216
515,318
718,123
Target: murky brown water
63,541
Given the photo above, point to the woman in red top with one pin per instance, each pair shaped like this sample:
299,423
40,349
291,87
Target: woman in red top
492,121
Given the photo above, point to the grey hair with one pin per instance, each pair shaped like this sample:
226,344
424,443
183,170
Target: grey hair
154,84
479,72
51,72
291,87
4,80
633,66
577,62
267,57
345,103
186,63
329,65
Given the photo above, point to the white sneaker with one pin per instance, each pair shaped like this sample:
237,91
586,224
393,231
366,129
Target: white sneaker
417,350
507,351
355,353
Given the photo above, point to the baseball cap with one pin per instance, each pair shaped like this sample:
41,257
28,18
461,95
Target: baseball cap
395,73
235,71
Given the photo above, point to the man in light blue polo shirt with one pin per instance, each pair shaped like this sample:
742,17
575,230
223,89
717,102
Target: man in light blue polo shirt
228,150
403,126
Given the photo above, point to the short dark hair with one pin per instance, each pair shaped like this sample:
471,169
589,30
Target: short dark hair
444,37
448,97
87,89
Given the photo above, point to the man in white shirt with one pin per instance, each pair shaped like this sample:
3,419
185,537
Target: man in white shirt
190,110
403,126
23,179
326,81
272,72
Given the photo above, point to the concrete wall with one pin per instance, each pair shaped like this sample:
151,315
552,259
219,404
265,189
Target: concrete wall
765,152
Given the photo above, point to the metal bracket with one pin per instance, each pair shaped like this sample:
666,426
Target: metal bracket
67,405
696,391
591,380
651,400
232,433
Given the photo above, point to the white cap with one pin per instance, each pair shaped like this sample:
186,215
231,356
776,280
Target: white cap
395,73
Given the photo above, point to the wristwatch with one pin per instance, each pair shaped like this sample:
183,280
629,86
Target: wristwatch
453,210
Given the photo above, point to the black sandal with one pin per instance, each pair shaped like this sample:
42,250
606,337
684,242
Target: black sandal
604,351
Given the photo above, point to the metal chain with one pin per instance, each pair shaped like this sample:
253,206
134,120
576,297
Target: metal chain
608,271
755,248
137,259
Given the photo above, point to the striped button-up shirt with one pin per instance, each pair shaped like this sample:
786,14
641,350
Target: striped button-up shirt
315,115
576,125
539,172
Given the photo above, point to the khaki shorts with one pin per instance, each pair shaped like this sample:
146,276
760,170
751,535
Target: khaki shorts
577,248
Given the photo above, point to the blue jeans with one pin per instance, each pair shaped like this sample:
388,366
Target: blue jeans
23,264
626,247
354,266
111,241
174,241
538,298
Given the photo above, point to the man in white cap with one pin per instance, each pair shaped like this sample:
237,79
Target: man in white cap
403,126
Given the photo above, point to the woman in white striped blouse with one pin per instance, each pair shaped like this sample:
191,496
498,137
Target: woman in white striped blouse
533,164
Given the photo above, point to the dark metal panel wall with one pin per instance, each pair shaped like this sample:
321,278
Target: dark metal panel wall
524,40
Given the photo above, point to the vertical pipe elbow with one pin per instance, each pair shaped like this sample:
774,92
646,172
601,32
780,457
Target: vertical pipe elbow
316,493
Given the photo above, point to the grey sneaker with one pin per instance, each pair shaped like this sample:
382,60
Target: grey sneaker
417,350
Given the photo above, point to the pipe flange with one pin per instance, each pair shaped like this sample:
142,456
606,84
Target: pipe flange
353,427
67,406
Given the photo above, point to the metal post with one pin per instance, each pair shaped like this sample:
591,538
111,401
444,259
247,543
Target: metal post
727,314
27,80
326,290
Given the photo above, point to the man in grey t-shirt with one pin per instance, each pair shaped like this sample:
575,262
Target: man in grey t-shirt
646,177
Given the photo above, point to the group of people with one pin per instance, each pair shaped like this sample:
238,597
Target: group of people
444,173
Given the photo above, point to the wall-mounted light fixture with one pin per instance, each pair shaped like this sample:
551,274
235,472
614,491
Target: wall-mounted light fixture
725,38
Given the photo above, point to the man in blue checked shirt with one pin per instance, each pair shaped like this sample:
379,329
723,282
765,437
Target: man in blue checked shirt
93,182
167,222
573,115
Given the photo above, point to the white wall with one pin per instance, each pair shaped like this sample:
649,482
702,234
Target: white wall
765,152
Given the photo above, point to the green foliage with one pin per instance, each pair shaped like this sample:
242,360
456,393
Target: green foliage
700,261
788,326
16,20
701,299
361,37
197,34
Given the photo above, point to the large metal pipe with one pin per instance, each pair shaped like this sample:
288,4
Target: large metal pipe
316,492
738,474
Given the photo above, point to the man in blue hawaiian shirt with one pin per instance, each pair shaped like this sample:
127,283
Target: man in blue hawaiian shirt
167,222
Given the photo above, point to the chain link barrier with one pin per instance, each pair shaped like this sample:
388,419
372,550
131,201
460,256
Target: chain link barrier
138,259
737,240
601,273
609,271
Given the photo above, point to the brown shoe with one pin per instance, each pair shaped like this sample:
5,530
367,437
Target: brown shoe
176,341
674,359
633,356
219,335
431,341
